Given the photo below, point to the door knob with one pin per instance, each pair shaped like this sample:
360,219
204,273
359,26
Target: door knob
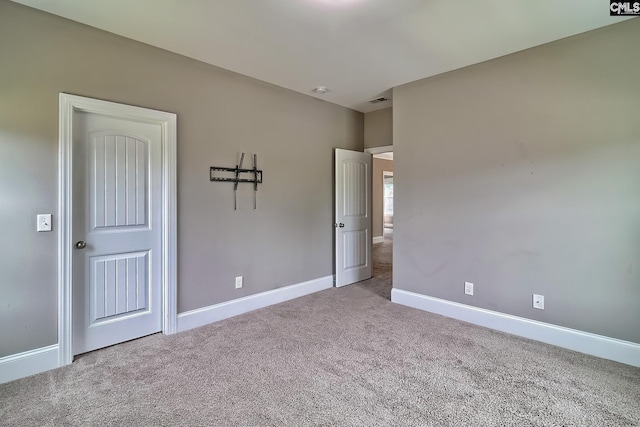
81,244
341,225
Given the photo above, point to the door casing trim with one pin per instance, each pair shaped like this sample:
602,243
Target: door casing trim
69,104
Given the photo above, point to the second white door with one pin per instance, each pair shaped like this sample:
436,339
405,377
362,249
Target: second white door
353,216
117,230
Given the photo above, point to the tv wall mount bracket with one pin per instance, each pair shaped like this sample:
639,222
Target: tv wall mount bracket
221,174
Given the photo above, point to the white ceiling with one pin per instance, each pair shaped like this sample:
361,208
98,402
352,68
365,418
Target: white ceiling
359,49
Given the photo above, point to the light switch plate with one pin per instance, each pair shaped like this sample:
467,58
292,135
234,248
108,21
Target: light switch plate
44,222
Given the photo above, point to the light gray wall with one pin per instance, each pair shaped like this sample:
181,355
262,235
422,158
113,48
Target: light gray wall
377,198
287,240
378,128
522,175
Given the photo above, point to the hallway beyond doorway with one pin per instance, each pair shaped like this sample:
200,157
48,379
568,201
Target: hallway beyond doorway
382,259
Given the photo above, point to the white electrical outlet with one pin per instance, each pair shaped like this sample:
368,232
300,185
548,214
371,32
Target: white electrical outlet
468,288
538,301
43,222
238,282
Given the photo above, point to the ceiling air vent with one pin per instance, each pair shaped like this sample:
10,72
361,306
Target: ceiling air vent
381,99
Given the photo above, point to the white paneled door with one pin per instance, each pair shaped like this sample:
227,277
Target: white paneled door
117,230
353,216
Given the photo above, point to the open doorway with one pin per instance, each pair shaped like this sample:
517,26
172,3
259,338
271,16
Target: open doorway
382,213
387,202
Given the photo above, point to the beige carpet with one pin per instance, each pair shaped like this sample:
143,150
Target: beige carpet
339,357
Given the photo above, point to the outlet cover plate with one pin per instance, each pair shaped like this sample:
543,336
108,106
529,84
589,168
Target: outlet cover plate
468,288
238,282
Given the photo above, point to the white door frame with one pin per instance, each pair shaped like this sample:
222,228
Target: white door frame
69,104
379,150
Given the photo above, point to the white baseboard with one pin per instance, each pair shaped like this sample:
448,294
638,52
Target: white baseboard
203,316
378,239
584,342
28,363
33,362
